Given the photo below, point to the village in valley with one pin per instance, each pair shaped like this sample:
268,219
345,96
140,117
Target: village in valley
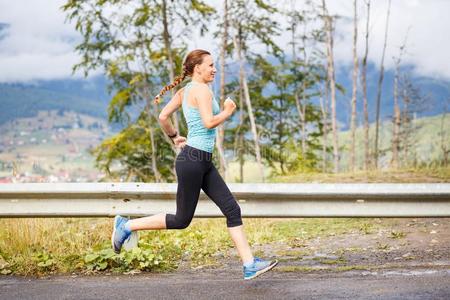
52,146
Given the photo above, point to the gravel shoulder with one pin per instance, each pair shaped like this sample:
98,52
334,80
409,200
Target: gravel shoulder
398,243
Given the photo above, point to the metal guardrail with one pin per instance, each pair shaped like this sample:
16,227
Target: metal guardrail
256,200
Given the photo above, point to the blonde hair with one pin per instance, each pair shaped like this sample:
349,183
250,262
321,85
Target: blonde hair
194,58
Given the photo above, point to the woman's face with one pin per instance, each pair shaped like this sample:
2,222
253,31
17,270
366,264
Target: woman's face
206,70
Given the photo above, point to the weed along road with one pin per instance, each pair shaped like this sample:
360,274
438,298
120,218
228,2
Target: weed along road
386,284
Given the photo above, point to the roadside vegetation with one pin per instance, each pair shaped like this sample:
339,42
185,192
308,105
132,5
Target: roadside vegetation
47,246
43,246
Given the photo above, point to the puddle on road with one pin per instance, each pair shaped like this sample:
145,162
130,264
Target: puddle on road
402,273
411,273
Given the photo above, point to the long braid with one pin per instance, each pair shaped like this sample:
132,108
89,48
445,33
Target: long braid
179,79
193,58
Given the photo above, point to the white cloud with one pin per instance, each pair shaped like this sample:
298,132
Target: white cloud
41,46
427,45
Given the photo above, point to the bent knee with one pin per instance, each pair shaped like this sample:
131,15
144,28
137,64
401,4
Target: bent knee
182,224
233,215
174,222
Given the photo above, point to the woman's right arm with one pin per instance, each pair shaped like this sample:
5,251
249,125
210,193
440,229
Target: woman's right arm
164,116
204,103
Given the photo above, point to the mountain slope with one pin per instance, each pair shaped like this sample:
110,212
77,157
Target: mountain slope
20,100
89,96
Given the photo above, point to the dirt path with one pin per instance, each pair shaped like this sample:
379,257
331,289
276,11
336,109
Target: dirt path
397,243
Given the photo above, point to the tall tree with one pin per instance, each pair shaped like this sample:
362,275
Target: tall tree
355,84
239,135
138,46
380,83
251,26
305,69
413,102
328,19
223,53
167,37
276,111
364,84
397,115
295,18
325,120
248,103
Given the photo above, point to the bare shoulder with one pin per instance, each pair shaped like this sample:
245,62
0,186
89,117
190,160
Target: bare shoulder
179,95
180,92
201,91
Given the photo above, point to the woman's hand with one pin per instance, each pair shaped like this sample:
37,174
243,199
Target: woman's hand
179,141
229,105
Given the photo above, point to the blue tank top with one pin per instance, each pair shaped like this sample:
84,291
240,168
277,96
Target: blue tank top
199,136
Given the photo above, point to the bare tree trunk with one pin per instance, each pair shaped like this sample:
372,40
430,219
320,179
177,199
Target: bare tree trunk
248,103
298,104
241,159
154,151
168,47
280,133
332,81
414,128
355,83
396,125
444,146
239,136
380,83
405,123
150,114
221,131
324,109
304,87
364,83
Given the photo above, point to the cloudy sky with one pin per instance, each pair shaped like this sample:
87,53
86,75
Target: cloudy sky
38,44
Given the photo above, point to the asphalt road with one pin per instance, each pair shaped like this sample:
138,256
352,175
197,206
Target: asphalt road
386,284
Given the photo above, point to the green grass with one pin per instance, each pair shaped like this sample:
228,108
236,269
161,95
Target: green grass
45,246
397,234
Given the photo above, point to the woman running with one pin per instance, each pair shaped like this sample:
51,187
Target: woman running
194,167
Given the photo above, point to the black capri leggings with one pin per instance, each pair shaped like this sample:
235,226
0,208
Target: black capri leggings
196,171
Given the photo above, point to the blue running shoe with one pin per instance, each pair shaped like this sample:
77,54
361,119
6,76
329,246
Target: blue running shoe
119,235
258,267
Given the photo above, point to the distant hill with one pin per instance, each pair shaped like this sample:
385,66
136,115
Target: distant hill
54,146
89,96
438,90
426,140
25,100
